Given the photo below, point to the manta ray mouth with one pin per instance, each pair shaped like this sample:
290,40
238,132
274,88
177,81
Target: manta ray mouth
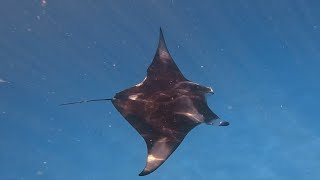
223,123
218,122
209,90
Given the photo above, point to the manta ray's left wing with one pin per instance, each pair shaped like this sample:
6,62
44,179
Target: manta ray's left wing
162,144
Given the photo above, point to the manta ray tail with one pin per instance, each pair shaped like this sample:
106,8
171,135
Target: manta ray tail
85,101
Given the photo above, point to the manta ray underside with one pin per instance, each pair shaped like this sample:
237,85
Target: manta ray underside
164,107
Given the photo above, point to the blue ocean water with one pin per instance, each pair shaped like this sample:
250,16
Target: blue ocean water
260,57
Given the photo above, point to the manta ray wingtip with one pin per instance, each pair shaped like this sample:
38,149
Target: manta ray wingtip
162,49
161,38
145,172
161,30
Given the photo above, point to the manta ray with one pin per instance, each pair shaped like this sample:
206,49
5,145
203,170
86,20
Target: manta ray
164,107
